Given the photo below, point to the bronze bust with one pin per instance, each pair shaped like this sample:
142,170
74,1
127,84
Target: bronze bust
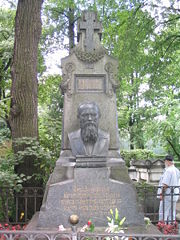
89,140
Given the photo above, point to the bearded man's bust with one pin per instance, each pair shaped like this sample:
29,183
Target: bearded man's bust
89,140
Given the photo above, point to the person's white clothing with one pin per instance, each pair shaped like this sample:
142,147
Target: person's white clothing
170,177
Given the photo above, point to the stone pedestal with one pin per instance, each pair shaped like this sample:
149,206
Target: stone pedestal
91,194
89,186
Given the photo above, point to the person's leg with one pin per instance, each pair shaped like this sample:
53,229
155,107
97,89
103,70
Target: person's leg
167,210
161,211
174,211
170,211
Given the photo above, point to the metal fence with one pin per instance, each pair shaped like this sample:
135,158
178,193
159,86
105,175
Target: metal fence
50,235
15,206
149,197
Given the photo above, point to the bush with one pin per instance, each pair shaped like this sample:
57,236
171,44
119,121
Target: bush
139,154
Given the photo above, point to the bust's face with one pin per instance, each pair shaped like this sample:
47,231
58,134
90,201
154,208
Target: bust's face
89,116
89,124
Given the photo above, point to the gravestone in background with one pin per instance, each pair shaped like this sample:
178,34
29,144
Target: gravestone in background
89,183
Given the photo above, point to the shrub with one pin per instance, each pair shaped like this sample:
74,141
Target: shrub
139,154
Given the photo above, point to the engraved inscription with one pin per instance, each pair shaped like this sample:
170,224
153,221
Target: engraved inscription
89,83
86,84
90,200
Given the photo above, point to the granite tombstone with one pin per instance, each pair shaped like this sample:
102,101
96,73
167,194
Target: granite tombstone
90,177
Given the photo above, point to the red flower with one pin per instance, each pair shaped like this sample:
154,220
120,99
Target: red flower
18,227
6,224
13,228
89,223
24,227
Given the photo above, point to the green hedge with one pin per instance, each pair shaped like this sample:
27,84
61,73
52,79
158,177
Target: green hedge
139,154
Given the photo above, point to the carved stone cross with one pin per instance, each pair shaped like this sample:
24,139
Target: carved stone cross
89,24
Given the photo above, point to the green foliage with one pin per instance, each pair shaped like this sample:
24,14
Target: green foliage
143,188
4,132
139,154
43,158
167,128
6,50
8,178
50,114
147,49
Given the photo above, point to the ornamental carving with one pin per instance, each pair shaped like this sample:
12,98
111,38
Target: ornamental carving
89,57
66,84
111,72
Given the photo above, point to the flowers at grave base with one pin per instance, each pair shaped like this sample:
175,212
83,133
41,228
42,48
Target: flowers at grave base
61,228
113,228
115,222
165,228
147,221
89,227
13,228
84,228
9,227
89,223
115,225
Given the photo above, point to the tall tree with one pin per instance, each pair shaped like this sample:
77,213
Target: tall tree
60,23
23,112
145,46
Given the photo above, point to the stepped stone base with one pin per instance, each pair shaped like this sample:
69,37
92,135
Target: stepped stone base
90,194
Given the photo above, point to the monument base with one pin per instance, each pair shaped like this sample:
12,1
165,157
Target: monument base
151,229
90,194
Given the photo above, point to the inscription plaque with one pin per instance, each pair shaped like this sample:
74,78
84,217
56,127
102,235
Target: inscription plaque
91,201
90,83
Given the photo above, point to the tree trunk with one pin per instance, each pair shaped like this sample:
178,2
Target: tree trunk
71,29
131,117
23,112
131,132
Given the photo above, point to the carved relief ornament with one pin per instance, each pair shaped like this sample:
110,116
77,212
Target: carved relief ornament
111,72
66,84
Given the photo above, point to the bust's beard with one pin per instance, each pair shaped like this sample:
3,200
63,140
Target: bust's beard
89,133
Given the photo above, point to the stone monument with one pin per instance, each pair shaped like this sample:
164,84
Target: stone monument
90,178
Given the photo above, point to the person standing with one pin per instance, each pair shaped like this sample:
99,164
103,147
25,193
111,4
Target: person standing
168,191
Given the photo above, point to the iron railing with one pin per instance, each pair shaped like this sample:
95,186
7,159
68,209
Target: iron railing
15,205
55,235
149,197
19,207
